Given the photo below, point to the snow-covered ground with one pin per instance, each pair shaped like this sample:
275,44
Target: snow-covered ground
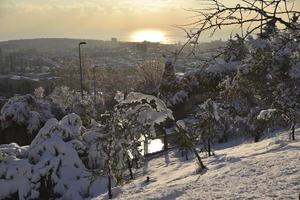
269,169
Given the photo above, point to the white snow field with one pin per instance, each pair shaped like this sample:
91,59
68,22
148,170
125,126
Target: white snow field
269,169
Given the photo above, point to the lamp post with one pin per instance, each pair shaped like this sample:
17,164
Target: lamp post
80,65
94,72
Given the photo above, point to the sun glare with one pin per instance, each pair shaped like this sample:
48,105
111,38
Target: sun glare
149,36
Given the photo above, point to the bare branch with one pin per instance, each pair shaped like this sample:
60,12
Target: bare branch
216,15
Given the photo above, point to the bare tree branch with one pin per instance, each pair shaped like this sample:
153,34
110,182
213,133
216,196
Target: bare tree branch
216,15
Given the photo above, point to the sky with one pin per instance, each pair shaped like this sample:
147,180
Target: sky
91,19
94,19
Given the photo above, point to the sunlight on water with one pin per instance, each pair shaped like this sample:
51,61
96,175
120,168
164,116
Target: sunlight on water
155,145
148,35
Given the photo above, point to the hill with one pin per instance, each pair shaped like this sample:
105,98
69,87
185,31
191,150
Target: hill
265,170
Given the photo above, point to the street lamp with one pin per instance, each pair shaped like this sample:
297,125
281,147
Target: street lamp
94,72
80,65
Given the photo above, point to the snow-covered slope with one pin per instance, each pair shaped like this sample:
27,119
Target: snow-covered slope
269,169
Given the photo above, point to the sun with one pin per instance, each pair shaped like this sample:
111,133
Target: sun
149,36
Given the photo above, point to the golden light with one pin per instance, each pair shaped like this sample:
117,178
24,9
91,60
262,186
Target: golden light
149,36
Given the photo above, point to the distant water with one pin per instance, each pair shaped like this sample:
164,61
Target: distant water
155,145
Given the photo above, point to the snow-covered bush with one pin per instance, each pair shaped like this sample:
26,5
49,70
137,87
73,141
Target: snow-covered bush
50,168
137,118
144,113
25,111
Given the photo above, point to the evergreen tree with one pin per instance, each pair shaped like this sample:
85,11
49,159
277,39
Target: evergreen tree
208,124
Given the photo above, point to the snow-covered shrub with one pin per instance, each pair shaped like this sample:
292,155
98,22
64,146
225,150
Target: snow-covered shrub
94,139
137,118
143,112
50,168
25,111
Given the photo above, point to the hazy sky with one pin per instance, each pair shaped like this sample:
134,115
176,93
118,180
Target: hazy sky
92,19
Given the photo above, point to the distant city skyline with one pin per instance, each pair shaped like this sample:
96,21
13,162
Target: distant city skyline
98,19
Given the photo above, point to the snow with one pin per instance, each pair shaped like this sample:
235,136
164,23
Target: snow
266,114
265,170
181,124
155,145
215,111
136,97
220,66
119,96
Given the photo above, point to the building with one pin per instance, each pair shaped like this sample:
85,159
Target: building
114,39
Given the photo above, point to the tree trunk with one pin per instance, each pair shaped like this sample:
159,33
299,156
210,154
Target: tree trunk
165,141
109,186
208,147
256,137
145,146
202,166
293,131
226,135
129,168
186,155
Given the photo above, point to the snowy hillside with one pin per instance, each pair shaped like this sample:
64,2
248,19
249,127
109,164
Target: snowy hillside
265,170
